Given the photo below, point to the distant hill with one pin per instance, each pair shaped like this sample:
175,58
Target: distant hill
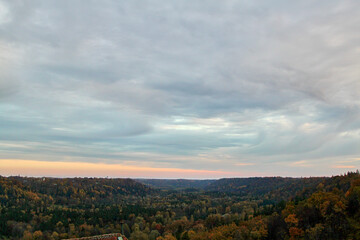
273,188
269,187
176,184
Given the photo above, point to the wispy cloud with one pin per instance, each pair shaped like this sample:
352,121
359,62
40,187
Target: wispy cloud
344,166
244,164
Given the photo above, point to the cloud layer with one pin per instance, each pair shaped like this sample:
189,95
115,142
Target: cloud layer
263,87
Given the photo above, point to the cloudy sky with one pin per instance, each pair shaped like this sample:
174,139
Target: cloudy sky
193,89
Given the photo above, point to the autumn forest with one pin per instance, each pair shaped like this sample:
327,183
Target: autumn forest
149,209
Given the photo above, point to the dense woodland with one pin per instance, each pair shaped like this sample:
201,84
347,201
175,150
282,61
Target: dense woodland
248,208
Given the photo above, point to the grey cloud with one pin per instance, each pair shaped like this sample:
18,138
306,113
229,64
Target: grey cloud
7,88
267,80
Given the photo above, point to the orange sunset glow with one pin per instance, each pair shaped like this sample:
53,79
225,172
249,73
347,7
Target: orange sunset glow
10,167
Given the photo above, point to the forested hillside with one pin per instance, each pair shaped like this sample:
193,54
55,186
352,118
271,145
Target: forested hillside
254,208
275,188
70,191
176,184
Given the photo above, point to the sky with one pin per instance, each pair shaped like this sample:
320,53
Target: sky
179,89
